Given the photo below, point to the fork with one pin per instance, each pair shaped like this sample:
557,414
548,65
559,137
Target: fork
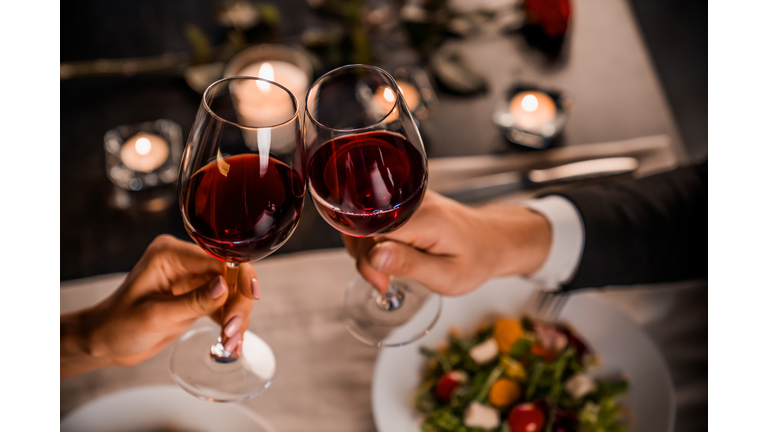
547,304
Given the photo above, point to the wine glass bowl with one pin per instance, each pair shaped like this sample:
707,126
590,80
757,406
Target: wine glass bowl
367,165
241,189
241,193
367,175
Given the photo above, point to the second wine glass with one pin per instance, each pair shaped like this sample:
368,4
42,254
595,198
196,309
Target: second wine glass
367,176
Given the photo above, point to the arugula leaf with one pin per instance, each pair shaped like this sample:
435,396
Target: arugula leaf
445,420
610,388
444,363
521,348
603,417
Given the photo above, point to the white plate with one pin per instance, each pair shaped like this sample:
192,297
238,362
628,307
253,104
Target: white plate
161,408
620,343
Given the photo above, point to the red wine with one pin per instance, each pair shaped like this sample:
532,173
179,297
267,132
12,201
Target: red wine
240,211
368,183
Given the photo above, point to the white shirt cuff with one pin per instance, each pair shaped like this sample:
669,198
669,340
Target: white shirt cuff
567,240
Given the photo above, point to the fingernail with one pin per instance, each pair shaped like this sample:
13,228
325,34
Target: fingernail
240,348
231,343
381,259
217,288
255,288
233,326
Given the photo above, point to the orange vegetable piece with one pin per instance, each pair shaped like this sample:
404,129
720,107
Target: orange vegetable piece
504,392
507,332
540,351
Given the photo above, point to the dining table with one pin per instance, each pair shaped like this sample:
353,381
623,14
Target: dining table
324,375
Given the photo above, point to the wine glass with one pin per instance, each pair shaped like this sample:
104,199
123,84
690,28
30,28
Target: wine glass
367,175
241,192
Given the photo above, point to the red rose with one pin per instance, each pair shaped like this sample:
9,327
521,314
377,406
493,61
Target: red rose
551,15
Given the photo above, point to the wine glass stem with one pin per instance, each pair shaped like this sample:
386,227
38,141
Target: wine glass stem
392,299
218,352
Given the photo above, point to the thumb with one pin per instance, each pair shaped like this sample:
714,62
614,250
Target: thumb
199,302
398,259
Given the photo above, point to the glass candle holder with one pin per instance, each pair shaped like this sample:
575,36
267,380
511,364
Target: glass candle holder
531,116
417,90
143,155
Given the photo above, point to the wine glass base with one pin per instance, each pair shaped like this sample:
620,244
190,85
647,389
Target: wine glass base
199,373
412,319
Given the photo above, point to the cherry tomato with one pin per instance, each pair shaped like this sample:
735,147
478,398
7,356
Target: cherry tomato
448,384
526,417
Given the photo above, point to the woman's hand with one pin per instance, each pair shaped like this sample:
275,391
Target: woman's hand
173,284
452,249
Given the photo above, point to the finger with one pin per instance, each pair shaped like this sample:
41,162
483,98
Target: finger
236,317
181,262
237,312
351,243
202,301
247,282
379,280
392,258
424,228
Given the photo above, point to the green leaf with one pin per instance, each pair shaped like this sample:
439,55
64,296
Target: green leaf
441,360
610,388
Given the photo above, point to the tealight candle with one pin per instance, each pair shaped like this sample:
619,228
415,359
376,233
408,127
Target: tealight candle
532,109
385,97
261,103
410,94
286,74
144,152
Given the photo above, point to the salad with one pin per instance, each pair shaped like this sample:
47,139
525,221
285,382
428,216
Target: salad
518,375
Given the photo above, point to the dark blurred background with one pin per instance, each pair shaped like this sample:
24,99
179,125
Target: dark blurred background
98,238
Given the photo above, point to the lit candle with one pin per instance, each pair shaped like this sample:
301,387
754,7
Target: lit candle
410,94
532,109
286,74
144,152
261,103
384,97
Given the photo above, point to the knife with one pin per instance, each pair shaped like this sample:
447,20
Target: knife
487,187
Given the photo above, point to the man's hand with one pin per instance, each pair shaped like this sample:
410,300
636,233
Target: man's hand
173,284
452,249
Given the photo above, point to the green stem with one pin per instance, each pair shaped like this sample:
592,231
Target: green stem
495,374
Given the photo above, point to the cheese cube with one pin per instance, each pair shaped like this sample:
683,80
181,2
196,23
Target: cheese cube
484,352
482,416
580,385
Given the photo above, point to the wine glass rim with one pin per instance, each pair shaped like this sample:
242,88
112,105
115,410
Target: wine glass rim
350,66
241,77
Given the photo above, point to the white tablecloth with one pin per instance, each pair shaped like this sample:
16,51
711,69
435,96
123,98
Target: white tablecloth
323,378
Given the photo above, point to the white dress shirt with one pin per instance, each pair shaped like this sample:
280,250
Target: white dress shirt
567,240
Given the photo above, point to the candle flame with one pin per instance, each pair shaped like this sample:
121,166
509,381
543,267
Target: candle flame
143,146
389,95
529,103
266,71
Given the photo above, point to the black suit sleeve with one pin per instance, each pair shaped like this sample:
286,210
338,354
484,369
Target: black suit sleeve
649,230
